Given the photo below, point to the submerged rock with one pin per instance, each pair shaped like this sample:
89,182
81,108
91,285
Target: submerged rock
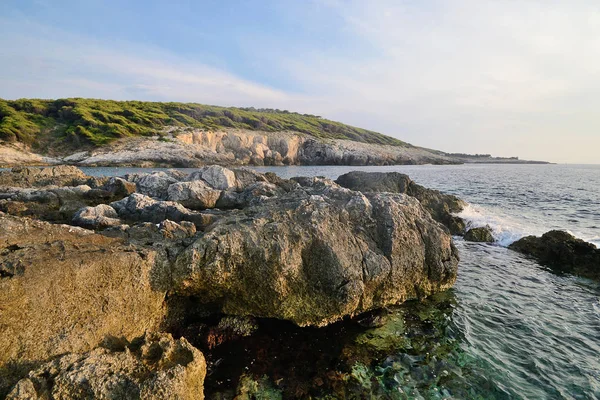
480,234
317,254
64,289
441,206
155,367
562,252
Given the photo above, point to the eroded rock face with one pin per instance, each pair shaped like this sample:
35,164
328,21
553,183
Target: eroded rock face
318,253
480,234
155,367
562,252
64,289
441,206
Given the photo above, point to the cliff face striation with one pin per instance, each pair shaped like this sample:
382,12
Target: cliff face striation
194,148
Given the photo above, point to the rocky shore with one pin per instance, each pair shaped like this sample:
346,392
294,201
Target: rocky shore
105,282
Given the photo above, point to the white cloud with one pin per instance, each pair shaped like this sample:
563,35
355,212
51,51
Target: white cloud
64,65
502,77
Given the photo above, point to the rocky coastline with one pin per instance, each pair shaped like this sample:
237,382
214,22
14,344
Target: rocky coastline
113,274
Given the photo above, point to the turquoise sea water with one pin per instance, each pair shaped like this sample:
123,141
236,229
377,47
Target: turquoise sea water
508,329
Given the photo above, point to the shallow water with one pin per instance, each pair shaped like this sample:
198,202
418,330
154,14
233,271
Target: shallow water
508,329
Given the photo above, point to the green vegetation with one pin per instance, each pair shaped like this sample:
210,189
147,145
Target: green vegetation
79,121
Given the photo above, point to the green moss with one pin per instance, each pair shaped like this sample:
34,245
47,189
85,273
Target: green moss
101,121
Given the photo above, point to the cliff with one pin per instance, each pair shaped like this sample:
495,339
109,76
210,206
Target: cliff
90,132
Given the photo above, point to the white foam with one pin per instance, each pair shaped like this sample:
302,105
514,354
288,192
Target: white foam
507,229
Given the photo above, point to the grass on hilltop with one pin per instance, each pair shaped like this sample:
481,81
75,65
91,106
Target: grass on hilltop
77,122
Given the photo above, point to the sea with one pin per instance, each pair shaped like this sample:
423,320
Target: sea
508,329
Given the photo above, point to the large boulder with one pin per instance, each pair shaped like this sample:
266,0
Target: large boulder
138,207
215,176
562,252
64,289
155,185
99,217
441,206
316,254
155,367
196,195
481,234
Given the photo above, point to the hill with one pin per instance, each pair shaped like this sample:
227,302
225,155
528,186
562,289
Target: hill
91,132
78,121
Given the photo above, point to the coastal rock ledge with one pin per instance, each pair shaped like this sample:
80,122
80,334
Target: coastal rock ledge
304,250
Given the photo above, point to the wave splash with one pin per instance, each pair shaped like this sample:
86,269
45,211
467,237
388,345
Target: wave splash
507,229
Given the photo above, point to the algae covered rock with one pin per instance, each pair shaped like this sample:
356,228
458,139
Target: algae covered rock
318,253
481,234
155,367
562,252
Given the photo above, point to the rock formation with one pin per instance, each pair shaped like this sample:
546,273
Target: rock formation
441,206
562,252
480,234
154,367
65,289
318,253
305,250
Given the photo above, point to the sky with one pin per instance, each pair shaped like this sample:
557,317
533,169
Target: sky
505,77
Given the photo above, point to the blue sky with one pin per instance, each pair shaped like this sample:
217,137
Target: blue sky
503,77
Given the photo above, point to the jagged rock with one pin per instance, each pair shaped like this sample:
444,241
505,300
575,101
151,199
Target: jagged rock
64,289
174,230
138,207
154,367
245,177
120,187
216,176
71,199
317,254
155,185
52,203
99,217
562,252
252,193
480,234
441,206
196,195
